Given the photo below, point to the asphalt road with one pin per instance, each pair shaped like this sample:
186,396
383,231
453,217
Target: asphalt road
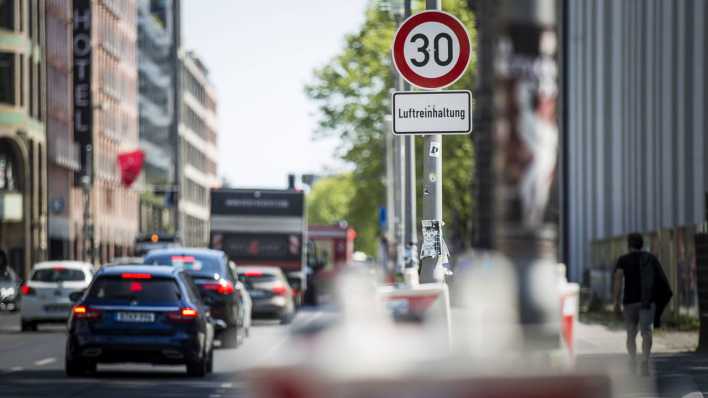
32,365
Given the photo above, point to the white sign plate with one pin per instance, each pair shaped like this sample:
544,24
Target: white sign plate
439,112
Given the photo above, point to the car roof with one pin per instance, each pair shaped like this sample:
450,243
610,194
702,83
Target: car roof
262,268
64,264
185,251
155,270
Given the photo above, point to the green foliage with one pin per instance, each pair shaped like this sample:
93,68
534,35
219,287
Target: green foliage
353,92
330,199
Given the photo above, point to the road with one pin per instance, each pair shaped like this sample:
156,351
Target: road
32,365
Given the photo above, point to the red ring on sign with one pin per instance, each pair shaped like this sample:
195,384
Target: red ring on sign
462,61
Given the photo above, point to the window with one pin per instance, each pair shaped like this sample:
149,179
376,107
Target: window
22,80
58,274
7,78
7,14
115,290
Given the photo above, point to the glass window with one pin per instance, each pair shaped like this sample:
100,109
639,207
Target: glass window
7,78
22,80
58,274
193,264
7,14
8,171
116,290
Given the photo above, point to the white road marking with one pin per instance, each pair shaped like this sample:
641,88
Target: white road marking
14,369
45,361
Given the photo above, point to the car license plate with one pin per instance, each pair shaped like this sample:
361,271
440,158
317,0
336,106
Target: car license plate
57,308
257,293
135,317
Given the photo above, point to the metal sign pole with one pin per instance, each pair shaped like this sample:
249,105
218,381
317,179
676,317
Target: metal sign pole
432,190
411,233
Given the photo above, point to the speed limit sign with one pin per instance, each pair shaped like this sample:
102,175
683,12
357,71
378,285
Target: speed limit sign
431,49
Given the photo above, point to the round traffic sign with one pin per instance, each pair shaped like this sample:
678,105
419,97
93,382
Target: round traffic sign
431,49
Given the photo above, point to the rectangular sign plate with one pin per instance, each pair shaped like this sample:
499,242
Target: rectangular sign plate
142,317
438,112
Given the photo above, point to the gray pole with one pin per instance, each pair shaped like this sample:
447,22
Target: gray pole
390,196
399,193
89,243
432,185
411,235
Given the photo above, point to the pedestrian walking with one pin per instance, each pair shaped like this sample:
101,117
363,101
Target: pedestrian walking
646,294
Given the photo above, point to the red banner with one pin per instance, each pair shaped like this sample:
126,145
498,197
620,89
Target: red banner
130,164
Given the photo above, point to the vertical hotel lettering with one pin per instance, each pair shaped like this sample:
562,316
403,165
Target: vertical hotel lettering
83,110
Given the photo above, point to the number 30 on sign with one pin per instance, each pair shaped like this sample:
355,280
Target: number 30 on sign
431,49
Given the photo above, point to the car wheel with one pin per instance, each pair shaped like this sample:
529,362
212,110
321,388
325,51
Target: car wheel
197,368
74,367
210,361
229,337
28,326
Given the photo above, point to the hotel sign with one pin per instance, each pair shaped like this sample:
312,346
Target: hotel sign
83,108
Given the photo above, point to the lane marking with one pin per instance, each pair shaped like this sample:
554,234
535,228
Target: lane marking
14,369
45,361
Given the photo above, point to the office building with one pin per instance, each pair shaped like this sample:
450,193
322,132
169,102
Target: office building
23,144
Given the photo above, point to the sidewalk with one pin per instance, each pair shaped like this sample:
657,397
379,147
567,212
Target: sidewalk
676,369
596,338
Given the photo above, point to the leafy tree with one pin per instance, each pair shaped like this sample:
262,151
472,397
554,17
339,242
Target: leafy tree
353,93
330,199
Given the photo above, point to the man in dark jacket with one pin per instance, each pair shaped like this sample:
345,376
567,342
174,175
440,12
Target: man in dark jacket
646,294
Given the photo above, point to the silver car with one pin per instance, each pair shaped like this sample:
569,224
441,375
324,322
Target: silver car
45,297
270,292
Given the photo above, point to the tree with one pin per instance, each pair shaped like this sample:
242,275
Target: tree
353,93
330,199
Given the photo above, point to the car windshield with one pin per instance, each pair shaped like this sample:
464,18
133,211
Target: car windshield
193,264
250,277
116,290
58,274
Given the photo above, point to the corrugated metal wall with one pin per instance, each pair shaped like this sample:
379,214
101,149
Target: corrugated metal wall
637,132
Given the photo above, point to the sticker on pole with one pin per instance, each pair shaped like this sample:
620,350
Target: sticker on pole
432,239
438,112
431,49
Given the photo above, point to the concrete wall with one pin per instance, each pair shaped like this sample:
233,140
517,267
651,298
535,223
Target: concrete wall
636,119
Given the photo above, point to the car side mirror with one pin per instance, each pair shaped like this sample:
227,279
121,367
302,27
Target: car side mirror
76,296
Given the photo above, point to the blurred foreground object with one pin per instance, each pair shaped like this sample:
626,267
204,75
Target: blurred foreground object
367,354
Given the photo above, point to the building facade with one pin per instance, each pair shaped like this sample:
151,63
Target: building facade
198,156
93,117
23,110
158,38
65,200
636,80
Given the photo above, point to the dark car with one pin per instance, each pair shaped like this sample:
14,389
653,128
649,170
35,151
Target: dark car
141,314
216,280
9,289
270,292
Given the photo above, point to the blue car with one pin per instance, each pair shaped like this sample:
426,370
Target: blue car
140,314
